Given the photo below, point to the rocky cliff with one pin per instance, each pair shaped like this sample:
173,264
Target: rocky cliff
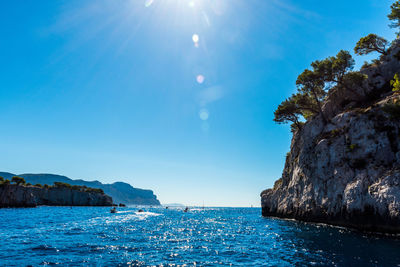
12,195
346,171
119,191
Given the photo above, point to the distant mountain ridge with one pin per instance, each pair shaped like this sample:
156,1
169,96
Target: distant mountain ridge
120,192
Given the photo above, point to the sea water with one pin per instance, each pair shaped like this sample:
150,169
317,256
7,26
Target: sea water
92,236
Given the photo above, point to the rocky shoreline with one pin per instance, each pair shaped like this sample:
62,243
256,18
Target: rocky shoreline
17,195
120,192
343,168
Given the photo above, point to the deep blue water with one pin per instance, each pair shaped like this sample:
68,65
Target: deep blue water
92,236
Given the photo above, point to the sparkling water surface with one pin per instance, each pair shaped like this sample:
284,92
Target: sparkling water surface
92,236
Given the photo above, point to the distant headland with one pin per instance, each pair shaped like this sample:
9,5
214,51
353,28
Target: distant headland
18,193
119,191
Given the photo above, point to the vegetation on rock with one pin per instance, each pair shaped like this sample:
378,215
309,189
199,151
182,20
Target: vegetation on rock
334,75
21,181
78,187
394,15
371,43
344,164
313,86
395,83
18,180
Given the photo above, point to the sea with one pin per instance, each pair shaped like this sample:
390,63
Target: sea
92,236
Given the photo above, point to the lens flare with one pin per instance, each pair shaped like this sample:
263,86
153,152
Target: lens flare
148,3
200,79
204,114
195,38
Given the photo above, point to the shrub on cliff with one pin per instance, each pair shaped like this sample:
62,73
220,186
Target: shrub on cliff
1,179
76,187
94,190
38,185
395,83
18,180
62,185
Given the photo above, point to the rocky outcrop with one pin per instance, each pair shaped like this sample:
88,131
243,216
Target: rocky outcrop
13,195
119,191
347,171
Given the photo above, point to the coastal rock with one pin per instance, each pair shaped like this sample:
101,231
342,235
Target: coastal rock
13,195
347,171
119,191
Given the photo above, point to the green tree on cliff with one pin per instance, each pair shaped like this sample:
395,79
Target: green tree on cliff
310,83
354,80
394,15
337,74
1,179
18,180
313,86
371,43
292,109
333,69
306,104
288,111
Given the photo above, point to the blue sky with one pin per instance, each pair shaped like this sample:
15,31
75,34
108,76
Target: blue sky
119,91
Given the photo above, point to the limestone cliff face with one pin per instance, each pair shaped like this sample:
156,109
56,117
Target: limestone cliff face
347,171
30,196
119,191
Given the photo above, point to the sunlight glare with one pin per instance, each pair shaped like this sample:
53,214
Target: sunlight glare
148,3
200,78
195,38
204,114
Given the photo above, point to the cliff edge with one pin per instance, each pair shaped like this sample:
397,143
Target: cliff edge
344,169
119,191
15,195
